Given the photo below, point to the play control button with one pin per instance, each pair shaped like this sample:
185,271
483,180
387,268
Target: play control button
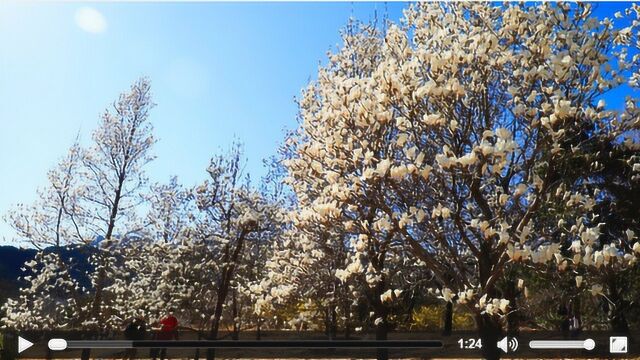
23,344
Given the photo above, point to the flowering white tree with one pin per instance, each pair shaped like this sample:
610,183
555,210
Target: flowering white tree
156,275
56,217
113,165
616,178
169,210
163,268
218,234
454,133
321,199
232,219
91,197
307,267
604,174
51,294
50,299
301,271
115,177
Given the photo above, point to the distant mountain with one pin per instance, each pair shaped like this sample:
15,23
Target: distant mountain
128,239
12,259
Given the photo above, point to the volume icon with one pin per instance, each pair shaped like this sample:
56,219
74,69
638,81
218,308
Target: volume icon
508,344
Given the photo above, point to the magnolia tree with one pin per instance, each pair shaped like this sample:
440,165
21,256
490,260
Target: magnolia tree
299,286
155,275
204,245
90,201
322,199
55,218
50,295
606,173
163,268
48,276
454,133
307,267
616,178
233,220
301,274
114,164
115,178
169,210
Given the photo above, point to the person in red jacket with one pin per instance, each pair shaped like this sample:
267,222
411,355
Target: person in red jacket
168,330
168,327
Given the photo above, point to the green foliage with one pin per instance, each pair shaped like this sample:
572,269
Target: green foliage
431,318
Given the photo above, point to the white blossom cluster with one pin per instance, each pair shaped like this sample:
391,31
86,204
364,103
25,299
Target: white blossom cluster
46,274
452,134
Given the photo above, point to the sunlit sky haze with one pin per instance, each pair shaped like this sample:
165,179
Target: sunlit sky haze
219,71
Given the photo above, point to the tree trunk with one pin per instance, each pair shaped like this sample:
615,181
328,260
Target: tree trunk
490,332
576,316
196,356
223,292
447,327
382,331
565,321
489,327
411,307
333,323
325,317
86,354
513,320
618,321
347,321
236,316
382,327
215,325
617,318
100,281
258,328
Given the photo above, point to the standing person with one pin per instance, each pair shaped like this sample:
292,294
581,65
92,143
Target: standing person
136,330
168,330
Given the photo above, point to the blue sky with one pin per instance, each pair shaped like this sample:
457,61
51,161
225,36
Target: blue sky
218,71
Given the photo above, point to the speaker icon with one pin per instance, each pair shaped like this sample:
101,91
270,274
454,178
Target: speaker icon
508,344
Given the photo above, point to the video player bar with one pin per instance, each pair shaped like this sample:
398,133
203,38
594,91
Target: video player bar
62,344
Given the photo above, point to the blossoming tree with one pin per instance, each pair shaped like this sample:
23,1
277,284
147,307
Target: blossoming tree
114,173
91,201
50,295
455,132
55,219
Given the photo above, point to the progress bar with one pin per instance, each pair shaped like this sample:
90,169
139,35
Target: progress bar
587,344
62,344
